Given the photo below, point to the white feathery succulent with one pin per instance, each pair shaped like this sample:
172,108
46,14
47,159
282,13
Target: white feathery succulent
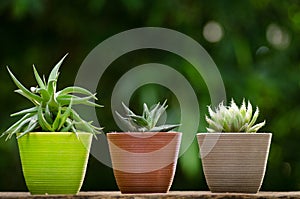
233,119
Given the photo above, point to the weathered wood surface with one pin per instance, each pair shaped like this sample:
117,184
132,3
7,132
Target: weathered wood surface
172,194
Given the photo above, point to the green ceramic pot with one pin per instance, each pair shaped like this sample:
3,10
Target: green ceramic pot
54,162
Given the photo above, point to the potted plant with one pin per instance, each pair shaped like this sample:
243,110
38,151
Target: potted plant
144,158
233,155
53,140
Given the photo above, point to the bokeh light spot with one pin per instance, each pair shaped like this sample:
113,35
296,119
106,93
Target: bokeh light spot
213,31
262,50
277,36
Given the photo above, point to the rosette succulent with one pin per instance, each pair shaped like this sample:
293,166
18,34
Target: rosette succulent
147,122
52,110
233,118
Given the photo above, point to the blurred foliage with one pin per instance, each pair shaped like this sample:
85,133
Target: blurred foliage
257,55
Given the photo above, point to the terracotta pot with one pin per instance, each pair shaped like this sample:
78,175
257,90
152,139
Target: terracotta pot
144,162
234,162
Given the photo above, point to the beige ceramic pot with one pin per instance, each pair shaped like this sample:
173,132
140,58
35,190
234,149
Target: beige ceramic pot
234,162
144,162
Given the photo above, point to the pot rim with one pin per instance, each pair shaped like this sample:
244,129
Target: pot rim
143,133
233,133
55,133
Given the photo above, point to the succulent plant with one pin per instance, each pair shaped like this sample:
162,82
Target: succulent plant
233,119
147,121
52,110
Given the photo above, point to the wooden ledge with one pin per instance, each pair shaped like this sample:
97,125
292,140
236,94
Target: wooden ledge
171,194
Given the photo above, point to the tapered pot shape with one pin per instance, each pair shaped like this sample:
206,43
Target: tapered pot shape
54,163
234,162
144,162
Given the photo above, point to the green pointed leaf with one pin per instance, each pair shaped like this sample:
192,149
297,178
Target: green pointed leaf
54,72
68,127
147,121
211,130
75,89
243,110
18,128
25,92
127,110
211,112
156,113
72,99
215,125
254,118
29,129
248,113
48,115
31,126
44,80
56,122
256,127
53,103
44,94
165,128
19,91
38,78
146,112
15,125
29,110
42,121
139,120
65,116
127,123
87,127
51,88
233,106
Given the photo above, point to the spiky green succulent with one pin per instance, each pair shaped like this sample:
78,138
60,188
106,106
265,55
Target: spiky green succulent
233,119
147,122
52,110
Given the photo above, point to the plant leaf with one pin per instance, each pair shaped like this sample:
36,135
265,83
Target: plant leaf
139,120
48,114
164,128
42,121
75,89
256,127
65,116
68,127
125,121
215,125
26,93
54,72
44,94
146,112
127,110
15,125
254,118
87,127
248,113
18,128
38,78
56,122
29,110
72,99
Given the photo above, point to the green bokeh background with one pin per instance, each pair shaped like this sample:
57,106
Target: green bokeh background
257,56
